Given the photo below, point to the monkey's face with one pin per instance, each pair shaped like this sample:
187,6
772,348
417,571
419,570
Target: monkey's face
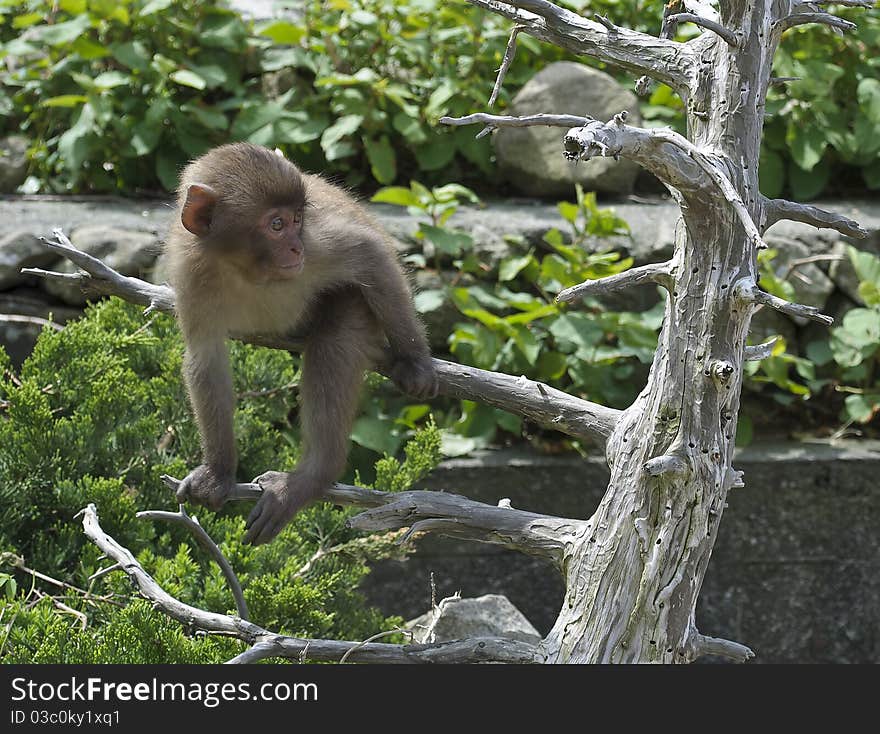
277,242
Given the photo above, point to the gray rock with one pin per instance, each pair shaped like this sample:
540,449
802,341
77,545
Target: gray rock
455,618
18,335
13,163
531,157
21,249
130,252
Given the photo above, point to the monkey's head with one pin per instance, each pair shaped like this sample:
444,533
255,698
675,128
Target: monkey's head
244,203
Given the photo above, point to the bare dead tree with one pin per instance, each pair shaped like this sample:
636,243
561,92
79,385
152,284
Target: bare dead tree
633,570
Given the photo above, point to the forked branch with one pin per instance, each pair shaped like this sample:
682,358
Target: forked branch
528,399
265,643
662,59
538,535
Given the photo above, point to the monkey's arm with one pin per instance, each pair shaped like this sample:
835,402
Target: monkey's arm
388,296
208,380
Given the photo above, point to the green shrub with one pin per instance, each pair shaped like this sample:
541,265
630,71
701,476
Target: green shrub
118,96
97,414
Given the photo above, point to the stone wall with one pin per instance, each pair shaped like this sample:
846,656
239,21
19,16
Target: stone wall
795,573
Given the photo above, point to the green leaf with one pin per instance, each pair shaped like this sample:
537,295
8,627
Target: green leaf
282,58
374,434
862,408
576,332
866,265
282,31
857,338
511,266
65,32
429,300
133,54
807,143
410,127
568,211
188,78
111,79
297,130
383,162
344,126
447,240
65,100
435,154
436,105
869,99
88,49
254,117
397,195
363,17
154,6
26,20
223,31
207,116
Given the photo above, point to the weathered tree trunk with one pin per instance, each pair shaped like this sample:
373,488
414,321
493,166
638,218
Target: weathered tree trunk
634,572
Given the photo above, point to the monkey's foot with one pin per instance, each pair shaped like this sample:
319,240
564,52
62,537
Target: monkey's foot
283,496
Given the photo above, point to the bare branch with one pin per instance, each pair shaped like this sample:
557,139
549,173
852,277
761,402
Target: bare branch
526,398
776,81
509,53
748,291
207,543
450,514
14,318
725,33
778,209
652,273
704,645
478,649
662,59
796,19
759,351
493,122
647,148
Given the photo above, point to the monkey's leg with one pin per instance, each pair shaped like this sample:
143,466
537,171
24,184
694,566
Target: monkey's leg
209,383
344,341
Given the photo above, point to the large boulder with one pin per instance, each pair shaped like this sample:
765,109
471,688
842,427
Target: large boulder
455,618
13,163
21,249
531,157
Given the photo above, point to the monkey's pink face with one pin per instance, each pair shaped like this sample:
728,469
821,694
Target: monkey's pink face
280,229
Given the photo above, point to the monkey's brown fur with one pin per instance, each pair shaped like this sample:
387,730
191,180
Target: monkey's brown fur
260,247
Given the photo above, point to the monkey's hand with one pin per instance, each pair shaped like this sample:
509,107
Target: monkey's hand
205,486
283,496
415,375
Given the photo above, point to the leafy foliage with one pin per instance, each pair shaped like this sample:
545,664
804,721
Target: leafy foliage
845,363
97,414
118,96
512,322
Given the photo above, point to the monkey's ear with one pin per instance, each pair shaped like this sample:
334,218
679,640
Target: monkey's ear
198,209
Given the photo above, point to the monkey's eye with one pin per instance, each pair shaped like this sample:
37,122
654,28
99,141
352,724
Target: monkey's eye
277,224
